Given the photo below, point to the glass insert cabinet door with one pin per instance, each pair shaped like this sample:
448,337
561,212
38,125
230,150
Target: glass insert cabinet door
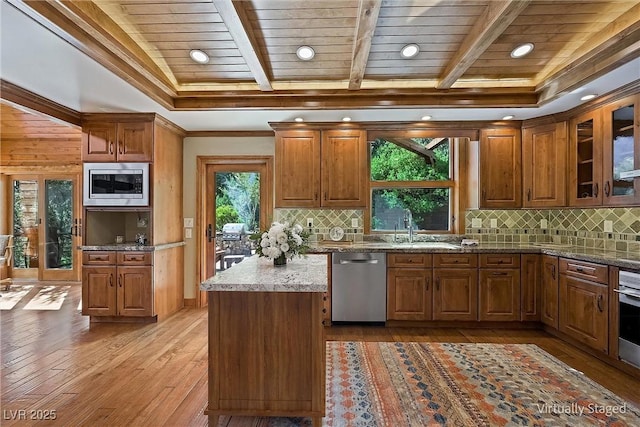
622,152
46,228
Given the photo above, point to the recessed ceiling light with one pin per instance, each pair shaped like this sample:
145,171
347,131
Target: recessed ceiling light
522,50
299,119
507,117
199,56
346,119
306,53
425,118
588,97
410,50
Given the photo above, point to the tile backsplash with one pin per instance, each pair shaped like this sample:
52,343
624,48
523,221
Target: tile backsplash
582,227
324,220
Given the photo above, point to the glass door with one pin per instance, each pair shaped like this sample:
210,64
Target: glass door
46,227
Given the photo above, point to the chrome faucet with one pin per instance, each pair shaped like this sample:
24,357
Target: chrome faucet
408,223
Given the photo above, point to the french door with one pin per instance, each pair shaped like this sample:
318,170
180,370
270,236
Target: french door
232,189
46,224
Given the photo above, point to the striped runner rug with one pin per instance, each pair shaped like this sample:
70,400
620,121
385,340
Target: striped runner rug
462,384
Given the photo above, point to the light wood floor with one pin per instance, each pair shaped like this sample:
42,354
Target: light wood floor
156,374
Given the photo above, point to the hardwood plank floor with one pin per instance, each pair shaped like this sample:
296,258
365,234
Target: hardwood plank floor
156,374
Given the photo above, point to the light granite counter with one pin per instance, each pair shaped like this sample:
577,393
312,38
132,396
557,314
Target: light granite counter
255,274
131,247
620,259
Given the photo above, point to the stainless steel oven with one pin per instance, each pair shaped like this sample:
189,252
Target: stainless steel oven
116,184
629,317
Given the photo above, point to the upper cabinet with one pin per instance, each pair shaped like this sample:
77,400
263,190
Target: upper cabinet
544,154
113,141
621,141
604,144
500,168
321,168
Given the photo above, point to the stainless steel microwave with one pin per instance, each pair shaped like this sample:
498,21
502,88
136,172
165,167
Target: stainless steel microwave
116,184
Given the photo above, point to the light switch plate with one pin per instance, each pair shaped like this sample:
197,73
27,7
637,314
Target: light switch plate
543,224
476,222
354,222
188,222
188,233
494,223
608,226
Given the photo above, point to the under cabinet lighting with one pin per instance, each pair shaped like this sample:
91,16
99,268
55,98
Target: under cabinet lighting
522,50
299,119
410,50
199,56
306,53
425,118
508,117
346,119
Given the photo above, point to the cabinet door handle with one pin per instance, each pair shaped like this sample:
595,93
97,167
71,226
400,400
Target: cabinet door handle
528,195
484,194
607,188
110,147
600,308
437,283
596,189
553,272
120,280
325,195
120,147
111,280
427,283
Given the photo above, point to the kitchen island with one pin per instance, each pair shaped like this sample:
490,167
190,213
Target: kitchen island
266,339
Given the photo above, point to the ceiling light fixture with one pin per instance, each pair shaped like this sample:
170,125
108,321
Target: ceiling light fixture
199,56
522,50
346,119
410,50
299,119
306,53
425,118
588,97
508,117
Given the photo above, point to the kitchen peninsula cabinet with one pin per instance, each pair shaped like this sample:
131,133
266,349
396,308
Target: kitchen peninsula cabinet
584,302
409,290
544,149
320,168
117,284
455,293
117,141
500,184
499,287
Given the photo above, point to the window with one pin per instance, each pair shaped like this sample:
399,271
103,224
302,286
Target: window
414,174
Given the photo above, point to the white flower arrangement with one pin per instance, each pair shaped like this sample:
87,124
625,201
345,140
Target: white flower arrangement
281,240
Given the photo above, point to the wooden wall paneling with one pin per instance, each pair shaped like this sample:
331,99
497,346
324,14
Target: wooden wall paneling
168,281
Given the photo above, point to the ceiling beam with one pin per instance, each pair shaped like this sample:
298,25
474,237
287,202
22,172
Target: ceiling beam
414,147
234,16
368,11
489,26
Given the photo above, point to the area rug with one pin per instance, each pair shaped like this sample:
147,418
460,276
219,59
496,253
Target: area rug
430,384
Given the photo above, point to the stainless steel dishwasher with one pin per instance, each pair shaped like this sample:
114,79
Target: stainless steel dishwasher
358,287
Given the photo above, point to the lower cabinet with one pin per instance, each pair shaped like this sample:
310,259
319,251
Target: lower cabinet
117,284
499,287
584,303
455,293
409,290
549,314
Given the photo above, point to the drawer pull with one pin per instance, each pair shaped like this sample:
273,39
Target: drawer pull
499,273
136,258
99,258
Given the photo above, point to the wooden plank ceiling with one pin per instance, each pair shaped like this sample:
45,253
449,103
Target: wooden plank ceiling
464,58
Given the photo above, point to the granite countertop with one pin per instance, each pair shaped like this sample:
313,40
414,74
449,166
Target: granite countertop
620,259
255,274
131,247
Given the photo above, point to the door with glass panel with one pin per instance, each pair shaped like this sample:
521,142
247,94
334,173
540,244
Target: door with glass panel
46,227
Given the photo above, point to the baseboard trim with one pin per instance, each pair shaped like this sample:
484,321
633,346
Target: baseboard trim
189,302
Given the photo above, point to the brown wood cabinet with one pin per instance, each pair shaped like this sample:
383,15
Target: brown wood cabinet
585,157
325,168
455,292
117,141
117,284
500,173
530,287
499,287
409,290
550,291
544,169
266,355
584,303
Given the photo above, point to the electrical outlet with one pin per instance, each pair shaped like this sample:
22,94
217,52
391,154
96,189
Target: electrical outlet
354,222
142,222
476,222
188,233
608,226
543,224
309,222
494,223
188,222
